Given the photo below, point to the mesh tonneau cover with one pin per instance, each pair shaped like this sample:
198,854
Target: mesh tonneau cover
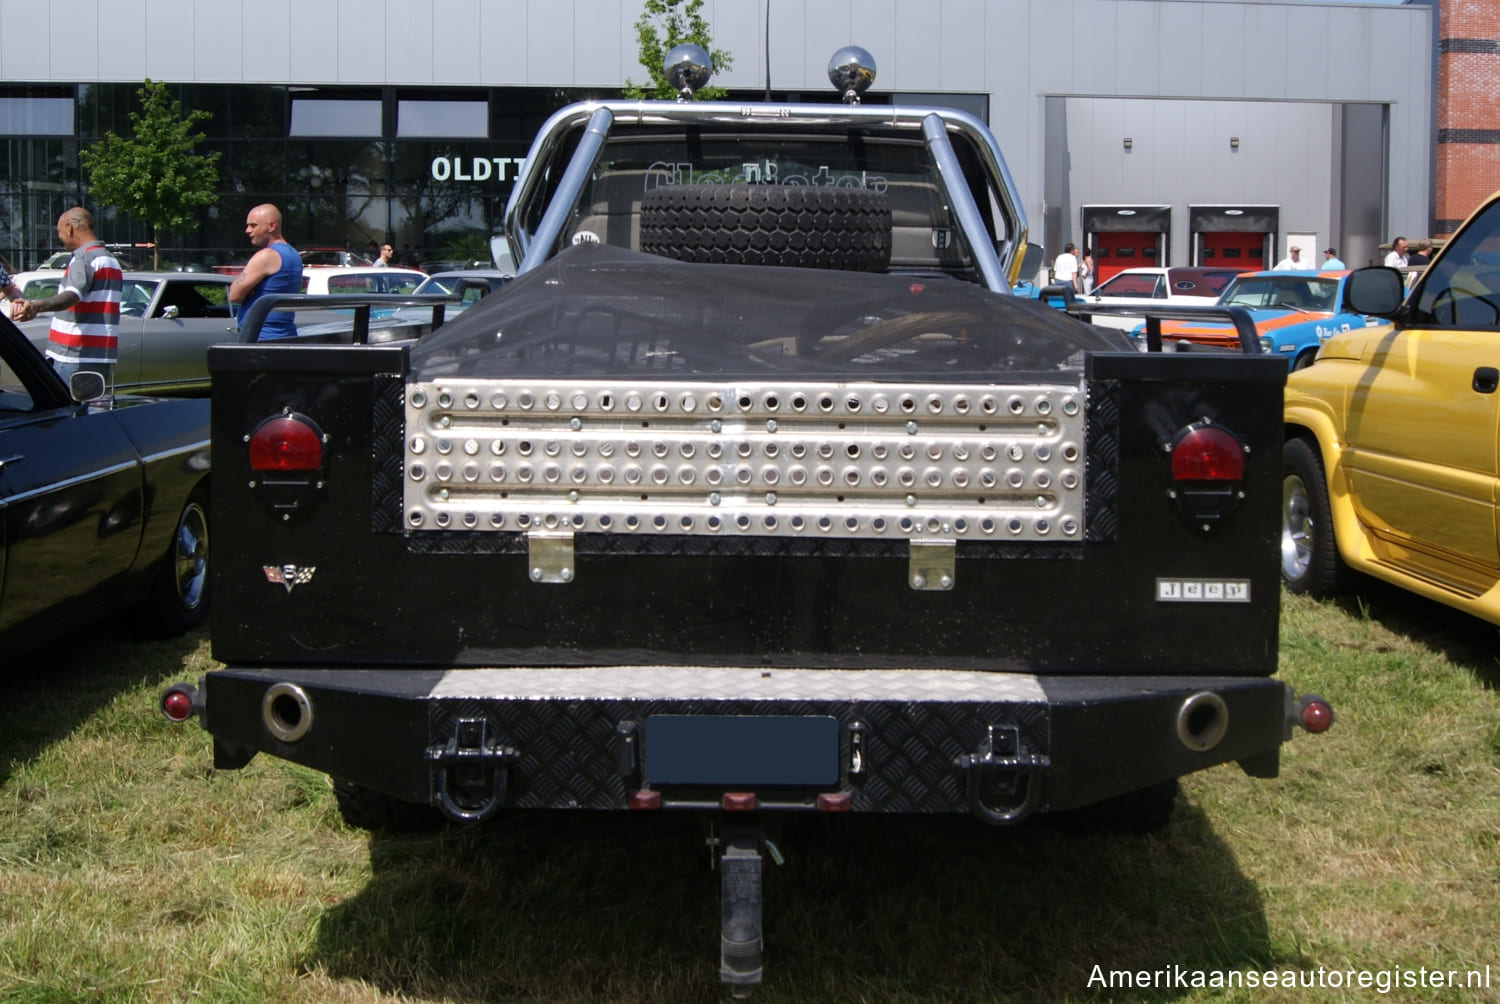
596,311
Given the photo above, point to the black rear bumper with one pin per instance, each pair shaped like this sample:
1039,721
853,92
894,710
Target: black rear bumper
1001,745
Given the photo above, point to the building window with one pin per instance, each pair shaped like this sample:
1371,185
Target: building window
335,117
442,119
36,116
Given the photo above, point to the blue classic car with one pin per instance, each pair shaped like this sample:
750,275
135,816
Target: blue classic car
103,504
1294,312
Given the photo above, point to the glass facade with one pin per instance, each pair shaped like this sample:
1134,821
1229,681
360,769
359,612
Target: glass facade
428,169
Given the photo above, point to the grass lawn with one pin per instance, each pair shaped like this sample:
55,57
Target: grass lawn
131,870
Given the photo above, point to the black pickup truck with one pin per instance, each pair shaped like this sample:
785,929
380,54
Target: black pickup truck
755,492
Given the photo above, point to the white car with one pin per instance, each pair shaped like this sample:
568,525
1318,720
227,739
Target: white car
1158,287
39,283
360,279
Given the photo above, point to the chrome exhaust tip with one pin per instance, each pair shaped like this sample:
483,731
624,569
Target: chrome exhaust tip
1202,721
286,711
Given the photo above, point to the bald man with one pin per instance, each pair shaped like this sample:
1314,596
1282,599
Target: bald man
275,268
85,332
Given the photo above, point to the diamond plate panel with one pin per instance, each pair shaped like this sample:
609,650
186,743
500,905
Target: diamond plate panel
1102,462
567,745
387,422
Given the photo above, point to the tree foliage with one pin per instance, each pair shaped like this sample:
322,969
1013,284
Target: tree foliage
662,26
154,176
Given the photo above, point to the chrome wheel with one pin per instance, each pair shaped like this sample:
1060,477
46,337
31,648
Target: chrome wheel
190,557
1297,528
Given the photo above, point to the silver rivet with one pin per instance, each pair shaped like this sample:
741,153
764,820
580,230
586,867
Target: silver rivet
911,428
918,582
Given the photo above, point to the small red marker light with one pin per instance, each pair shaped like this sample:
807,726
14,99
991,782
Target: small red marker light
835,801
739,801
286,443
177,705
1315,714
644,799
1208,453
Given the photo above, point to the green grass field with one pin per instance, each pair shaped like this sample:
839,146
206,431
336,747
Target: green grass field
131,870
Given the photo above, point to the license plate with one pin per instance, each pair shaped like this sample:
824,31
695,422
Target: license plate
742,751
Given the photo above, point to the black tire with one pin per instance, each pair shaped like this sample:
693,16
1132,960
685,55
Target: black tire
1310,561
178,600
1148,810
1306,359
801,226
365,809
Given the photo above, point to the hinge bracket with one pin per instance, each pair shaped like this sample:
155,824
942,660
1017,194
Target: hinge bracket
931,565
550,556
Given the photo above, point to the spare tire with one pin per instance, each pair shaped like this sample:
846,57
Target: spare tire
801,226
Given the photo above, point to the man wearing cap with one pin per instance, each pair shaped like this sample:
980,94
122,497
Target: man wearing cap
1293,260
1331,262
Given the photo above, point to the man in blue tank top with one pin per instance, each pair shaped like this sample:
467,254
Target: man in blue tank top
275,268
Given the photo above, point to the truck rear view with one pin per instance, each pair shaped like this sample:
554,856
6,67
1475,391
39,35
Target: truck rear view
667,525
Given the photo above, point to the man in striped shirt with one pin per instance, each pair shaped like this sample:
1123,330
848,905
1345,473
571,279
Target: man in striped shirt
85,329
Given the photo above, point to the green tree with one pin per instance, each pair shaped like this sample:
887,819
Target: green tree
663,25
155,176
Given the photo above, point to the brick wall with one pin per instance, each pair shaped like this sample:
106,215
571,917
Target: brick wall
1468,109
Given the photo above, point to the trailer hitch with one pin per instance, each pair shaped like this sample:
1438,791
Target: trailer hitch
479,768
741,937
999,752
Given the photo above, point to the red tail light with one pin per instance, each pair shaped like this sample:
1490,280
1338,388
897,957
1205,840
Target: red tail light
177,704
1314,714
1207,453
286,443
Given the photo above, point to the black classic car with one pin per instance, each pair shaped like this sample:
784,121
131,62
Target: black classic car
103,504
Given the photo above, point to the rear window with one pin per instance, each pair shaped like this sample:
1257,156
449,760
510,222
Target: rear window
925,231
1126,284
